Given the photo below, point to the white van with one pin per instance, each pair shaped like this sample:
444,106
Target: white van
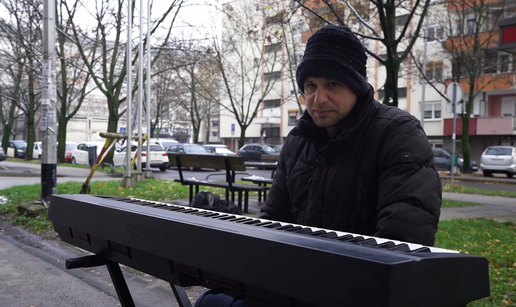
36,151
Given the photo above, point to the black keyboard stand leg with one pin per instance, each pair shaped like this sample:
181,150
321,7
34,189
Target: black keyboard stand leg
117,277
120,285
181,296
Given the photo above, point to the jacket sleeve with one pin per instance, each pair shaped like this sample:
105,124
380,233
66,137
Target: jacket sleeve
278,206
409,188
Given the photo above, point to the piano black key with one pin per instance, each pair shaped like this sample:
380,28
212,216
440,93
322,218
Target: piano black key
263,224
294,229
254,222
387,244
400,248
303,230
423,249
345,237
273,225
285,227
329,235
317,233
236,219
368,242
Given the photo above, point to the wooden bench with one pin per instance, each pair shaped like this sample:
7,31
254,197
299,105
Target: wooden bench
230,164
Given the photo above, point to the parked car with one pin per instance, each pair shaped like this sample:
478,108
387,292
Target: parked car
254,152
164,143
3,156
70,147
219,149
158,157
442,160
17,149
499,159
80,154
187,149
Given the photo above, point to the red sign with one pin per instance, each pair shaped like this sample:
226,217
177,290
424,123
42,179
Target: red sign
509,34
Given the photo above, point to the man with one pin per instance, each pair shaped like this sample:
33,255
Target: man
351,163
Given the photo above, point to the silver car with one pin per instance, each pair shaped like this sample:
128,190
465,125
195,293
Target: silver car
499,159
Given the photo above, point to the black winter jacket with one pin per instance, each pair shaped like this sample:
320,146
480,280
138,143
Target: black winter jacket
377,177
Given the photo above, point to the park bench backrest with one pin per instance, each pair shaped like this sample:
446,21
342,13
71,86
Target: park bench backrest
270,158
208,161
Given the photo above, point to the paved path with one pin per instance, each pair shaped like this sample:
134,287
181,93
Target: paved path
499,208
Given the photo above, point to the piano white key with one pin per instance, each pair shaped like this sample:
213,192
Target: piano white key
411,246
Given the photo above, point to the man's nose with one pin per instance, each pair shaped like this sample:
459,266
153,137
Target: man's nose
321,96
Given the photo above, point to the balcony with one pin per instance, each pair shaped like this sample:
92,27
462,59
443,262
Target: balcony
269,116
488,82
482,126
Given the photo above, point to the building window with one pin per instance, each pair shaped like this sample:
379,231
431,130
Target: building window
214,133
433,110
401,20
296,58
256,62
504,63
471,26
461,66
215,123
434,71
271,103
402,93
275,75
434,33
490,62
292,118
272,48
297,28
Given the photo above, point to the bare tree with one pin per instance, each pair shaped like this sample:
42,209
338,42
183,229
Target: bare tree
249,70
73,78
107,43
22,30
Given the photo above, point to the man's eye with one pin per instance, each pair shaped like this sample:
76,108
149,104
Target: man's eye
334,84
309,85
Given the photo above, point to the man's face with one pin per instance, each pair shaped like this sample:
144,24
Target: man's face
328,102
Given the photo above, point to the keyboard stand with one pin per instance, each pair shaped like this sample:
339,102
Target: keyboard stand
124,295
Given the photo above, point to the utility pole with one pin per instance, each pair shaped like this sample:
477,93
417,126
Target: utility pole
48,106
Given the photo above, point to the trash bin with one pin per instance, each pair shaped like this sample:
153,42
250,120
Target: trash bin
92,155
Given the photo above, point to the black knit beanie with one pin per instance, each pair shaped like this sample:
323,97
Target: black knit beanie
334,52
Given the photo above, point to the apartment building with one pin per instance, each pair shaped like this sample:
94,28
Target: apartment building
445,49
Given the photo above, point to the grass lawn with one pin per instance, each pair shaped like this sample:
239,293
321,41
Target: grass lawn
484,237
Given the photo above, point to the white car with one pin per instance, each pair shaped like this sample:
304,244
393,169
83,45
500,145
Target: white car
80,154
162,142
158,157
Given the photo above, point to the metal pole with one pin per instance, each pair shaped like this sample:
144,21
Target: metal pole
139,175
148,172
454,105
48,106
127,180
423,81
